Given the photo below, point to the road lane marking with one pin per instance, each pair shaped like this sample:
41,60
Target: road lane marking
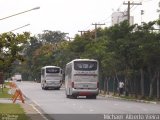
36,103
115,104
81,107
74,104
38,111
144,109
91,110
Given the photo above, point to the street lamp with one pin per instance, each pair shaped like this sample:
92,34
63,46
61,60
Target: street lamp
19,27
20,13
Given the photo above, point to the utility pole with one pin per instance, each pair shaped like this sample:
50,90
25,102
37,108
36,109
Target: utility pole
82,31
69,38
65,34
128,11
95,24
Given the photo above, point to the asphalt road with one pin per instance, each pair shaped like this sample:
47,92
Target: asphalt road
58,107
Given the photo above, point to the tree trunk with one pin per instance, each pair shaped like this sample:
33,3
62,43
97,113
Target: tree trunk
158,95
104,86
117,81
151,85
114,82
135,88
142,82
126,82
108,86
151,90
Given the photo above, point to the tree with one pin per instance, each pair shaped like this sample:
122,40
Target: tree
41,51
11,47
121,45
51,36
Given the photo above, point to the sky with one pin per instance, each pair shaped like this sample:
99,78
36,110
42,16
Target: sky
69,16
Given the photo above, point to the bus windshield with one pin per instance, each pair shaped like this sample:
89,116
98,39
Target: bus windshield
85,65
52,70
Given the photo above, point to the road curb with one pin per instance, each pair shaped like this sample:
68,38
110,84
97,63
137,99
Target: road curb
31,110
136,100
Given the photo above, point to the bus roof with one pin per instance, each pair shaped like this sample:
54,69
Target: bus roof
82,60
49,66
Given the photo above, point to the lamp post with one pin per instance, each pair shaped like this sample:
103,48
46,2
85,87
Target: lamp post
19,27
20,13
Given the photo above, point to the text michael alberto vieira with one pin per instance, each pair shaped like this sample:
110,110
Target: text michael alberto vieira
132,116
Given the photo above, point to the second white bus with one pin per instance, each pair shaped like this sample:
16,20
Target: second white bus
51,77
81,78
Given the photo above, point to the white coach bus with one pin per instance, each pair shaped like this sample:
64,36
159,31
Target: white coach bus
51,77
81,78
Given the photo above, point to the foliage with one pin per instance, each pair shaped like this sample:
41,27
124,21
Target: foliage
4,93
122,51
11,46
13,110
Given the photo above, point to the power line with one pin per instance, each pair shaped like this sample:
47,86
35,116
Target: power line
120,6
107,17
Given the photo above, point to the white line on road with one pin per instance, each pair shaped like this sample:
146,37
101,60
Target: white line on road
74,104
36,103
115,104
38,111
91,110
80,107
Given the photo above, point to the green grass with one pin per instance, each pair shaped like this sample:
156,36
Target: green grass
4,93
12,110
7,83
128,97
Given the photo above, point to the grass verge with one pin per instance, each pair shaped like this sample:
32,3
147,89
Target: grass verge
12,111
4,93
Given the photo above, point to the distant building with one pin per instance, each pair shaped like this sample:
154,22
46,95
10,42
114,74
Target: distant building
118,17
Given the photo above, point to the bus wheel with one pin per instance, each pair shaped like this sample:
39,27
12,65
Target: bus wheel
94,97
73,96
45,88
42,86
67,96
